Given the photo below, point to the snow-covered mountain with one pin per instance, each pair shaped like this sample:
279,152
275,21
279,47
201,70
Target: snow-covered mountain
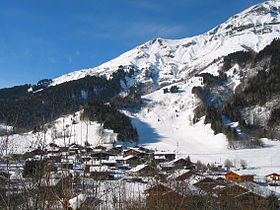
165,121
162,61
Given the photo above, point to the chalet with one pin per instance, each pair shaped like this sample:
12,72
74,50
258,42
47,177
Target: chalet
167,155
273,178
181,163
100,147
67,163
227,193
181,175
85,158
89,149
167,167
161,196
100,155
74,149
210,185
246,195
53,148
143,170
114,150
132,151
159,159
143,149
238,177
133,161
64,149
91,163
101,173
111,162
250,200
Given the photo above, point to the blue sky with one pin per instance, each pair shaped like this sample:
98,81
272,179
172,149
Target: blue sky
48,38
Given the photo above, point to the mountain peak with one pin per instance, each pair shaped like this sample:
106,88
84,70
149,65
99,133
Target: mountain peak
161,60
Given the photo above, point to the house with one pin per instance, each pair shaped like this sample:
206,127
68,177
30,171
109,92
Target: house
133,161
167,155
132,151
210,185
181,175
99,154
100,147
246,195
143,170
239,177
227,193
167,167
101,173
161,196
250,200
273,178
115,151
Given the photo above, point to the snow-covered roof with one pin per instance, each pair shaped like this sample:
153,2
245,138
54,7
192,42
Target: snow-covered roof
167,165
99,169
243,173
273,174
138,168
258,189
163,153
128,157
178,173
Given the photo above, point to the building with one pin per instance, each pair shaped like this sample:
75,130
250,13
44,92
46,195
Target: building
273,178
162,196
239,177
143,170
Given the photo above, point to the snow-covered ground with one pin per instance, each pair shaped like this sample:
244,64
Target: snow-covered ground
64,131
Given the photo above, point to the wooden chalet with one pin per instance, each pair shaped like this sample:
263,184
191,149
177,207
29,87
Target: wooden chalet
114,150
101,173
181,175
132,161
245,195
100,147
101,155
167,167
210,185
166,155
161,196
143,170
273,178
251,201
131,151
238,177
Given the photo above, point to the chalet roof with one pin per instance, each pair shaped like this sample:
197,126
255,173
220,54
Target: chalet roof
163,153
134,149
129,157
177,187
178,173
160,158
258,189
167,165
241,173
139,168
99,169
272,174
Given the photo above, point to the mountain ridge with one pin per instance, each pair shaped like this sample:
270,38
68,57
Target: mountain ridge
152,67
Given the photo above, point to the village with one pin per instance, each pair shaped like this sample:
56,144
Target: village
76,175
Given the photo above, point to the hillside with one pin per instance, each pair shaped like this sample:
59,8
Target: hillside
179,94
